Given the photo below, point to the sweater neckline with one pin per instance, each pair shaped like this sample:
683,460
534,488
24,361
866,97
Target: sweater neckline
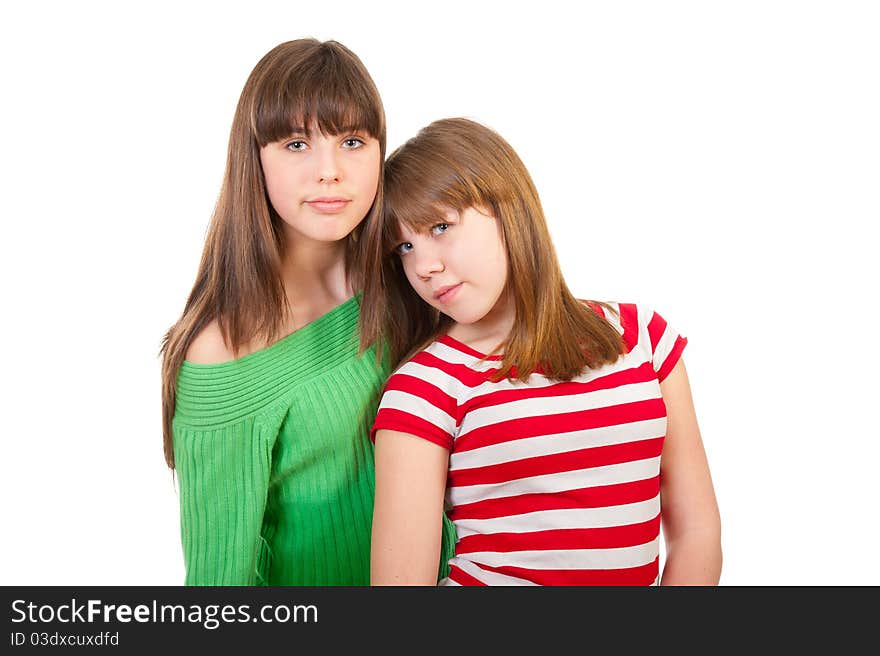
210,394
343,308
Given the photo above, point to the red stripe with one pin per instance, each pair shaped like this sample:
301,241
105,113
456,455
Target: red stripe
595,307
609,537
656,328
397,420
461,372
555,463
467,350
523,427
588,497
422,389
641,374
629,320
463,578
671,359
644,575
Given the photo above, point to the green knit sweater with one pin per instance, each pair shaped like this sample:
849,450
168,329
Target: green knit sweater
274,461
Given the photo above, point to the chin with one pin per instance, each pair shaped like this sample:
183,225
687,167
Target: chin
466,318
333,235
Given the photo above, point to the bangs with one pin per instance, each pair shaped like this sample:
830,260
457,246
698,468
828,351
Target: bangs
326,91
419,192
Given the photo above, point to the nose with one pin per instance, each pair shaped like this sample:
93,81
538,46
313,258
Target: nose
427,261
329,169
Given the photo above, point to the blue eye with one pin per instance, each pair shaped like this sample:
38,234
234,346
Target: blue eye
296,145
403,248
440,228
353,142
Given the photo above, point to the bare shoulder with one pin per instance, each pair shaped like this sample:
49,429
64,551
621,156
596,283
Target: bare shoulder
208,347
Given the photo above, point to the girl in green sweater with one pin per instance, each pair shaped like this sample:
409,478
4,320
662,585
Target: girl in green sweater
267,401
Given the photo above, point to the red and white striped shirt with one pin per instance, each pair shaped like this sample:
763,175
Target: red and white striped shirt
549,483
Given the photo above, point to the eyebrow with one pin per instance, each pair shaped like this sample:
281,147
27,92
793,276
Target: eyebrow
297,130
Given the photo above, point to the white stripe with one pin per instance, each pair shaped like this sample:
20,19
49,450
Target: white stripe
452,386
487,577
625,472
416,405
614,318
577,559
551,405
664,347
631,360
574,518
459,391
537,381
542,445
436,377
454,356
463,393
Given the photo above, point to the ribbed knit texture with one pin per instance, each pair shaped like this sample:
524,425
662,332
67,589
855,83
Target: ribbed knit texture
274,462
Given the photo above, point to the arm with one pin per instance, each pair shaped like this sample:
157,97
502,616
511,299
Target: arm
223,466
691,522
223,477
408,510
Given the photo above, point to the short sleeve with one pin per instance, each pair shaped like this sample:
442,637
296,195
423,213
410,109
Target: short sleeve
410,404
666,344
644,328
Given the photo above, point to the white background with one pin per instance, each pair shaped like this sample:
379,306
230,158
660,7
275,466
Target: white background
717,161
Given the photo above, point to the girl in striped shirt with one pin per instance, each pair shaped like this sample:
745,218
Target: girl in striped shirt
559,435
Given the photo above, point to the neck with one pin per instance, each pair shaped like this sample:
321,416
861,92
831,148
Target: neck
489,333
313,273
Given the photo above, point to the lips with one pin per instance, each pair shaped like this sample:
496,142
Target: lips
444,294
328,204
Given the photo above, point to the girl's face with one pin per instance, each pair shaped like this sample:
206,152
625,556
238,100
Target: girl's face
321,186
460,267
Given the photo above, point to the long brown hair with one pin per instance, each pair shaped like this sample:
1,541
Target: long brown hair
454,164
298,83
